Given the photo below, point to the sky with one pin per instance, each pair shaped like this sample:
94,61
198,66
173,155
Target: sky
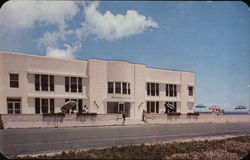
208,38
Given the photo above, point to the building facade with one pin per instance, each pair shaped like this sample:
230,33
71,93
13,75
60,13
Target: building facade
32,84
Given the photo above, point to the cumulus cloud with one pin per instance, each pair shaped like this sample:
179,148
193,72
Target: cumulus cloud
23,14
68,52
109,26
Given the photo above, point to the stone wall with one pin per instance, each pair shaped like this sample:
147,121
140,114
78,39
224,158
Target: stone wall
202,118
69,120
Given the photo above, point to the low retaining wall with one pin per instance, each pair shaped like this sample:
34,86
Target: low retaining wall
202,118
69,120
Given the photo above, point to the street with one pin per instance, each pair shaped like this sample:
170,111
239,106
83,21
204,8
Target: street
48,140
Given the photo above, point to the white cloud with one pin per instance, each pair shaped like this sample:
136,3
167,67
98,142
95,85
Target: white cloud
109,26
23,14
68,52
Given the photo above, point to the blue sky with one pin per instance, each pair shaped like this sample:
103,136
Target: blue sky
208,38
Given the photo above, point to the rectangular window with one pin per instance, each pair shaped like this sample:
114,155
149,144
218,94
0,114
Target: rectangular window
128,88
44,81
152,89
167,89
148,89
45,107
148,107
124,88
175,91
51,83
171,90
66,84
170,107
37,82
110,87
79,105
157,89
13,105
14,80
190,91
79,84
152,107
73,84
52,105
190,105
37,105
117,87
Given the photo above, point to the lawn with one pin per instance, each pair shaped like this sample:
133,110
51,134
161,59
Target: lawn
234,148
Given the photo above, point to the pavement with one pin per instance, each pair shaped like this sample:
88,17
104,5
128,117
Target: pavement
54,140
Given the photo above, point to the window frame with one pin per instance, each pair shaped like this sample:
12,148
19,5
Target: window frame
14,80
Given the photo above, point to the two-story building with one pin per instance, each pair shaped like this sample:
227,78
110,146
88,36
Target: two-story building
32,84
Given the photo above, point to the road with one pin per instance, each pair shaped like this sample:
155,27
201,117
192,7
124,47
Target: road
48,140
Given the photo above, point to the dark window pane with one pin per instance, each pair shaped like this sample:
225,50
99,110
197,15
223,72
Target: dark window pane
157,107
37,105
79,105
152,89
148,89
73,84
152,107
52,106
128,88
44,81
66,84
148,107
167,89
37,82
124,88
51,83
45,106
157,89
171,90
117,87
190,91
10,108
14,80
79,84
175,91
110,87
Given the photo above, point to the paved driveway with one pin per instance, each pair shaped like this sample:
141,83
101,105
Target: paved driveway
47,140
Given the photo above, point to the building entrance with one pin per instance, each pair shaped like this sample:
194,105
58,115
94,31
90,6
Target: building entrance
119,107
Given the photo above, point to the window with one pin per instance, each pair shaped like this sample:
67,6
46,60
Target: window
66,84
152,107
117,87
124,88
37,82
79,104
170,107
44,81
128,88
190,105
14,80
79,84
52,105
110,87
171,90
13,105
45,107
51,83
37,105
73,84
190,91
153,89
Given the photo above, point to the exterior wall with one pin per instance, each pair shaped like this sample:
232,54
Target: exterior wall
95,75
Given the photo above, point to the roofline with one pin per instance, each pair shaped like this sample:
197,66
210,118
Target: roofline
109,60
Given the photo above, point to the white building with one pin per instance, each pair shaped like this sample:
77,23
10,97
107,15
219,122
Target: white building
37,84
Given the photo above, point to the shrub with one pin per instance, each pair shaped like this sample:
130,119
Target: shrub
193,114
87,114
174,114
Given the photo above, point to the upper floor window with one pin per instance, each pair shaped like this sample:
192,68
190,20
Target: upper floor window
73,84
171,90
119,87
44,82
190,90
153,89
14,80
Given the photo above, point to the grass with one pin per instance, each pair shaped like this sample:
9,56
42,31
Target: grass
221,149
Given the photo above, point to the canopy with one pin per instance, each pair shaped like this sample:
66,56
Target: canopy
200,106
70,105
240,107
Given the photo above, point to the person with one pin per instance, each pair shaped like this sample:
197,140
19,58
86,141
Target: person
123,117
143,115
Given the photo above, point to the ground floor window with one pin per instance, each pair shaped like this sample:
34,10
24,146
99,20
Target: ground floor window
190,105
44,105
152,107
170,107
14,105
119,107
